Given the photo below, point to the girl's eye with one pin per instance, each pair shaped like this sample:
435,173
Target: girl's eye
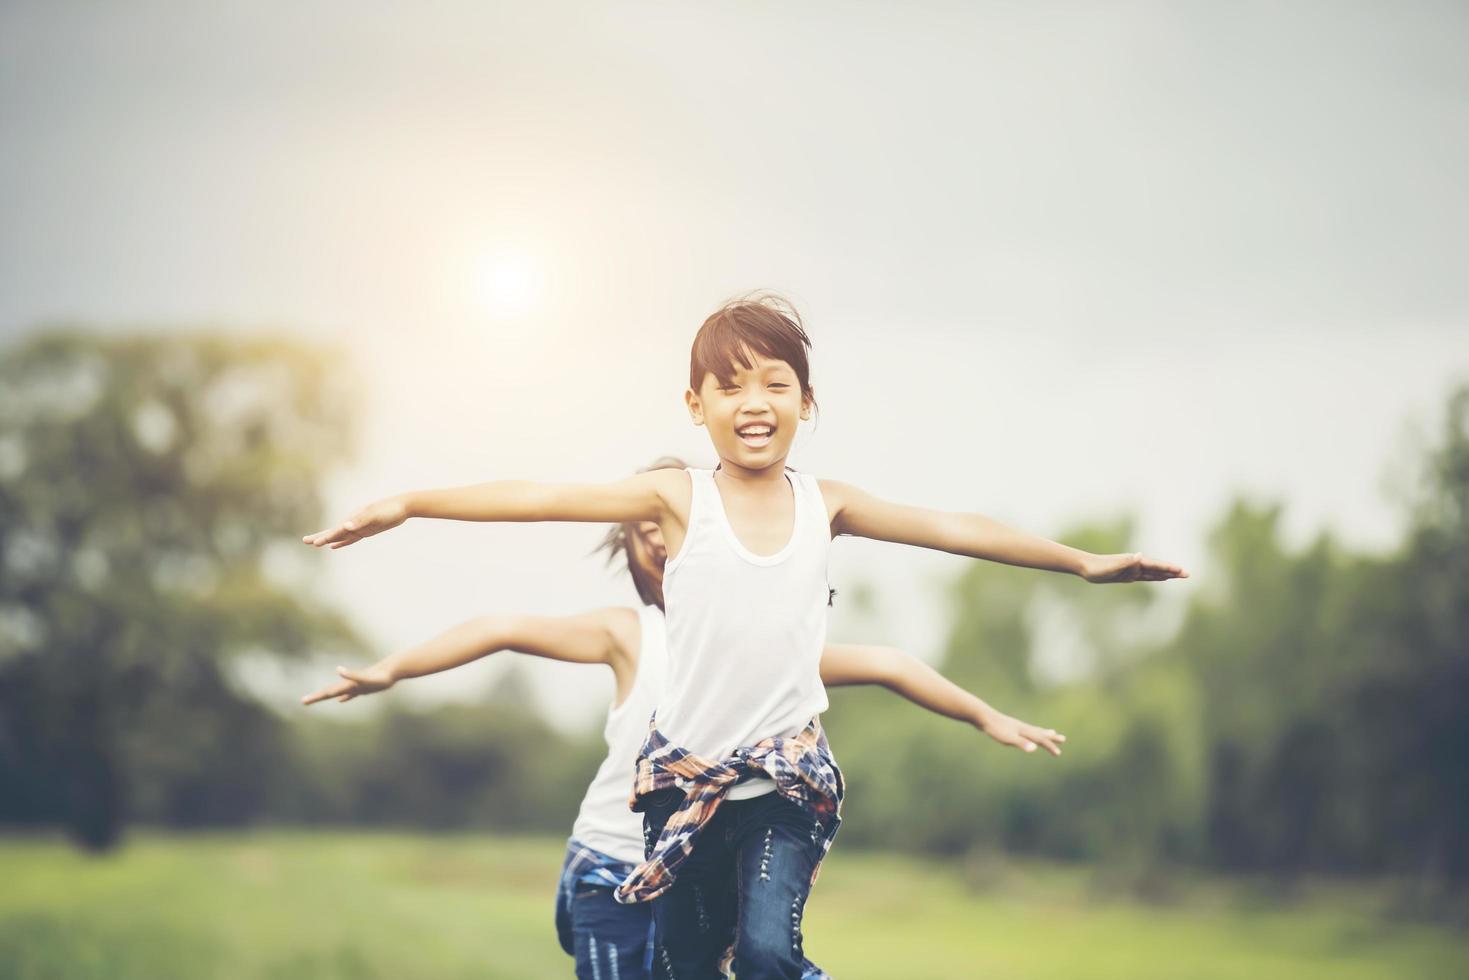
729,388
779,384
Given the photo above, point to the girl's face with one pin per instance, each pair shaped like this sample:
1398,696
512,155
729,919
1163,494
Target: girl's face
752,419
647,551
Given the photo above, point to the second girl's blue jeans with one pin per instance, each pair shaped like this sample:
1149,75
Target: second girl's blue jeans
609,941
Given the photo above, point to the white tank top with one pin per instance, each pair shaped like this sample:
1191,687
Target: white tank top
745,631
604,822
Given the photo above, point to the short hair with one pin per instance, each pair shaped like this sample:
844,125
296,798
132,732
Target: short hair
615,543
762,323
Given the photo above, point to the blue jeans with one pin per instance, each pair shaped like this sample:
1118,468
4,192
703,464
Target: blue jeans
608,940
745,884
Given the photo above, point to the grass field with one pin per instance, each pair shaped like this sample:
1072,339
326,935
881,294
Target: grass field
333,905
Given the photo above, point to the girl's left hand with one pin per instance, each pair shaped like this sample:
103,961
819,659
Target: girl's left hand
1022,735
354,684
1132,567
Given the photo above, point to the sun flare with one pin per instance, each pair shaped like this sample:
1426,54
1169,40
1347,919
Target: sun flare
508,284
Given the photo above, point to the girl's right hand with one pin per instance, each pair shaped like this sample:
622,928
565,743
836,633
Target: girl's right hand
372,519
1022,735
354,683
1134,567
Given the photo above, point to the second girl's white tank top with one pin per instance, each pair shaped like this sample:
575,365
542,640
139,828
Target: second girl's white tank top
604,822
745,631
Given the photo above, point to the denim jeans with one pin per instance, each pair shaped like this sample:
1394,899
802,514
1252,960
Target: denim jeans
608,940
745,884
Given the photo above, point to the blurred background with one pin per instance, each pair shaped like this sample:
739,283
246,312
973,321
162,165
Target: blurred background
1178,277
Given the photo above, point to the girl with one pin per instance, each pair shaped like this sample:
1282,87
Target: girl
609,939
736,762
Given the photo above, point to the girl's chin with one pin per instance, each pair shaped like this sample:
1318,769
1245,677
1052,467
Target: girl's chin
754,459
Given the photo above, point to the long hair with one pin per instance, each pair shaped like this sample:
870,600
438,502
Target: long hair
617,545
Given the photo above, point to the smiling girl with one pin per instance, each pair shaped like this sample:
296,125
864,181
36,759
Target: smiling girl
736,780
607,938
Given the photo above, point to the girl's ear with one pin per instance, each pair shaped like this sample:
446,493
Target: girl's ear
696,410
807,401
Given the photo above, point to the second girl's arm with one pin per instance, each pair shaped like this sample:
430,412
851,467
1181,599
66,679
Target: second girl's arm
906,675
604,636
649,496
854,511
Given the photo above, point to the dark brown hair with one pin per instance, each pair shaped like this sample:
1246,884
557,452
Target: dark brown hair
616,542
760,323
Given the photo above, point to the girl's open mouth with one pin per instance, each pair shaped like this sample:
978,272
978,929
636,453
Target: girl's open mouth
756,435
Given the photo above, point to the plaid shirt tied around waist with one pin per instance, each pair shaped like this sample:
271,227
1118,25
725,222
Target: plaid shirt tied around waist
590,867
802,768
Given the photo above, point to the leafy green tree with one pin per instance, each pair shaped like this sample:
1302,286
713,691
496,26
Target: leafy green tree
495,764
1307,715
150,486
1408,710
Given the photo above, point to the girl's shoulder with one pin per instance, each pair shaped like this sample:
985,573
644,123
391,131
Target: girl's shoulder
836,496
625,631
675,489
834,490
625,624
665,478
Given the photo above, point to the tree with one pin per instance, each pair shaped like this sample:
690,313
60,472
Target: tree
149,488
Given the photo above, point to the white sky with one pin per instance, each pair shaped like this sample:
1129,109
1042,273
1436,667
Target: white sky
1058,260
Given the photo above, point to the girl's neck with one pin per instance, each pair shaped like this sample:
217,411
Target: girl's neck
740,474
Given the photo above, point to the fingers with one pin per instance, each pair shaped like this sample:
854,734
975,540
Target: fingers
335,691
328,536
1019,741
1047,738
1135,567
353,685
342,535
1158,571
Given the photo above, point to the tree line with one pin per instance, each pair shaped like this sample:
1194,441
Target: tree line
1304,716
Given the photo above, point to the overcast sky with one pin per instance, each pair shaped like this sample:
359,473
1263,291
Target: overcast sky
1058,260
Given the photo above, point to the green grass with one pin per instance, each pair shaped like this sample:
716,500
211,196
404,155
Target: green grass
283,905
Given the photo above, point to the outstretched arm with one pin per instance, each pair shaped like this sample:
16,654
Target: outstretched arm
854,511
645,497
606,636
915,680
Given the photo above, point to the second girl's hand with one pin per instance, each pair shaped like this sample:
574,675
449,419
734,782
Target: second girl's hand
355,683
1019,734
